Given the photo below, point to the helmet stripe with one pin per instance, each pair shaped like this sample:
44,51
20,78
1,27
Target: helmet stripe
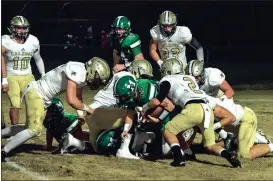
22,19
167,16
119,18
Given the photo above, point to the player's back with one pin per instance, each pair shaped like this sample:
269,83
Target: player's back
55,81
18,56
183,89
213,78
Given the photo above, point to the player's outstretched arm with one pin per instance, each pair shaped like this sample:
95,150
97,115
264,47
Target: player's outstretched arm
227,89
72,99
198,47
153,52
39,62
5,85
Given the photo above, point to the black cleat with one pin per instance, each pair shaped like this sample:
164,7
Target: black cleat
4,156
233,160
178,163
228,141
3,125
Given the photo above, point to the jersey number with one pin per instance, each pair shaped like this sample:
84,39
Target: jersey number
24,63
192,85
166,52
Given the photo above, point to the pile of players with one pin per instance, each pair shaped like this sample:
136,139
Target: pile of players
194,99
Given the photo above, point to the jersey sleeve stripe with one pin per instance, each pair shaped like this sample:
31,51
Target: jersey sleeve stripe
152,92
135,44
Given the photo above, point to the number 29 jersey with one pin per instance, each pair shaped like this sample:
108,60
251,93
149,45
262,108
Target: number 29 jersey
173,46
18,56
183,89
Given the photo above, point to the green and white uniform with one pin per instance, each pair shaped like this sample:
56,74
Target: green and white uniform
58,122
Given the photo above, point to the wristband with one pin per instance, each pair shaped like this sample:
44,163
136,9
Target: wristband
217,125
223,97
4,81
126,127
159,62
85,108
145,107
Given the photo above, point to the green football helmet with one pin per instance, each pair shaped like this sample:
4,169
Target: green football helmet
140,68
125,90
171,66
121,27
167,23
108,142
97,71
54,112
19,27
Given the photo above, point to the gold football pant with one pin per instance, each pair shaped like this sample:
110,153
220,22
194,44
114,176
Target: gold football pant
193,115
17,84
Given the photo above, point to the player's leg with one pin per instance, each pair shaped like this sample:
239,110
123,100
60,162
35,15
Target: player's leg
247,134
210,145
12,130
189,117
35,115
14,97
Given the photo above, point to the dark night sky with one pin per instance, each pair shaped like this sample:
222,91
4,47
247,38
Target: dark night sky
248,26
211,22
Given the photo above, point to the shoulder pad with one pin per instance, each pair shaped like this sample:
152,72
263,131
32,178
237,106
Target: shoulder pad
76,72
154,32
185,34
34,41
132,41
216,77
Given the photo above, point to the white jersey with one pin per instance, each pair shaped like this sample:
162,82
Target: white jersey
18,56
213,78
105,97
236,109
173,46
55,81
183,89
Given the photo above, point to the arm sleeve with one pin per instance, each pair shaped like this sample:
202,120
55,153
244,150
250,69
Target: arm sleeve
39,62
164,89
136,50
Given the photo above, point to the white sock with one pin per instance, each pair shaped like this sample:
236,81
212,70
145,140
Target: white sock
271,147
126,142
19,139
223,134
13,130
77,143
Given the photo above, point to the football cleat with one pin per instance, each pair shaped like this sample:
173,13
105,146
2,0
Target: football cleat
121,153
261,138
4,156
178,163
233,160
228,141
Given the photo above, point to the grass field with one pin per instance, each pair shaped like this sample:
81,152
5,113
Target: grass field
31,162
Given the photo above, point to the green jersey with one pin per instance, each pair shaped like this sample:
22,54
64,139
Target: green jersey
128,48
146,89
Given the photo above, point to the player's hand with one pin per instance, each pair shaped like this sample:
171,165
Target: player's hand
5,88
124,135
152,119
118,67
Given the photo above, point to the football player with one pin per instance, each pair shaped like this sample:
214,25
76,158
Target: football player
126,45
57,123
212,82
183,90
246,120
132,93
70,77
17,50
171,40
